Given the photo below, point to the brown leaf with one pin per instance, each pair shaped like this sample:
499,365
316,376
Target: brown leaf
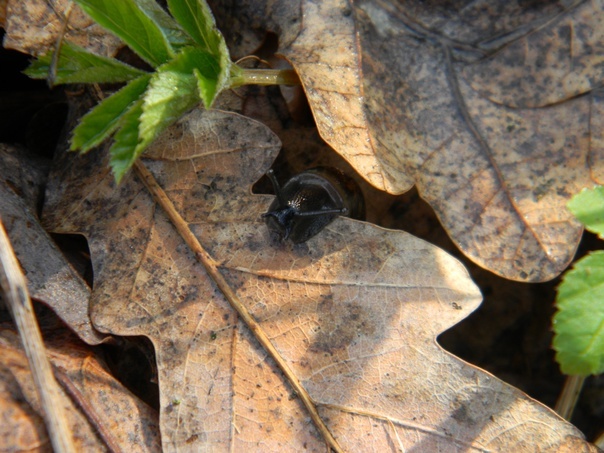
92,399
354,311
489,111
558,60
50,277
495,122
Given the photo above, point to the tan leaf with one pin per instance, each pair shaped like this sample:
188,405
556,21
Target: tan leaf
492,131
496,122
559,59
354,311
50,278
94,401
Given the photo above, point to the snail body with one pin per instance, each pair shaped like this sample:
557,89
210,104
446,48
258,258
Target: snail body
310,201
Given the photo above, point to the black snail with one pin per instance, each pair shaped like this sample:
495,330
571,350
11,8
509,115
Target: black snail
311,200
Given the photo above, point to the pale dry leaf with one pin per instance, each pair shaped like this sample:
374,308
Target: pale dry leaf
488,108
90,396
50,277
32,26
355,311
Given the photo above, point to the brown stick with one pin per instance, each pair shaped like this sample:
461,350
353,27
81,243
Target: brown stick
14,292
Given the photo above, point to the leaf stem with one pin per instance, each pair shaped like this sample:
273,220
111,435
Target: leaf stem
265,77
570,395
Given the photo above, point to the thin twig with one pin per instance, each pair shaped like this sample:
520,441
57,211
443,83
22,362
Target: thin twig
211,267
54,64
14,292
253,57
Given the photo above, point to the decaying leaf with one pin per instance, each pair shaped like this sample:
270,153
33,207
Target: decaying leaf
50,277
487,108
354,311
101,412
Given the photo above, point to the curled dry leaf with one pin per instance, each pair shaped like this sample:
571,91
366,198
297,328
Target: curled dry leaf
100,411
487,108
50,277
354,311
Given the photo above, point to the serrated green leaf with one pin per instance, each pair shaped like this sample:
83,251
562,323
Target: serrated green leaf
77,65
207,88
579,321
207,74
123,151
588,207
126,20
196,18
177,37
98,124
172,91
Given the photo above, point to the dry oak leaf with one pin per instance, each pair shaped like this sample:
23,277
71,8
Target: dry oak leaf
489,108
50,277
102,414
354,311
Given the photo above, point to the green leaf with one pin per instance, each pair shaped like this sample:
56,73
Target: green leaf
579,322
77,65
126,20
196,18
172,91
177,37
207,72
122,152
98,124
588,207
207,87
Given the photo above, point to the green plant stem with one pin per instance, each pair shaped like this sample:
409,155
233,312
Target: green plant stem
568,398
265,77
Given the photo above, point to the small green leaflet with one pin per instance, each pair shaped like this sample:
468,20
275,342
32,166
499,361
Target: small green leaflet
177,37
172,91
174,88
198,21
102,121
579,321
588,207
121,153
126,20
77,65
207,76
